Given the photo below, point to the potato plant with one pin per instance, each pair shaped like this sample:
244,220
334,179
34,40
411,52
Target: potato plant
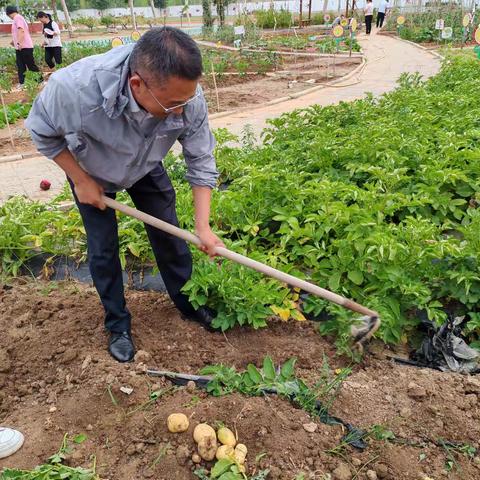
375,199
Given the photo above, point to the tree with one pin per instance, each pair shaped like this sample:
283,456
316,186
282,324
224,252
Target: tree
100,4
72,5
132,13
221,6
207,13
67,17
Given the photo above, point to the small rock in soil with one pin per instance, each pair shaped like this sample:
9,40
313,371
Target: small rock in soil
382,470
131,450
89,427
342,472
142,356
191,386
372,475
416,391
182,455
405,412
356,462
472,385
196,458
139,447
5,362
86,362
310,427
69,356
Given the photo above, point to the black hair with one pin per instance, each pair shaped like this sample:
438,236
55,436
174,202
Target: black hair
164,52
46,25
11,9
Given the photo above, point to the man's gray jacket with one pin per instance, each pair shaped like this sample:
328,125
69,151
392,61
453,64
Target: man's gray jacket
88,107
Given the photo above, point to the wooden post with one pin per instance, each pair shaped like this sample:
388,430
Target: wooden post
310,12
300,15
216,89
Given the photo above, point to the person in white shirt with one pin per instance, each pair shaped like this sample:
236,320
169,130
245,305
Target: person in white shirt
382,10
368,16
52,41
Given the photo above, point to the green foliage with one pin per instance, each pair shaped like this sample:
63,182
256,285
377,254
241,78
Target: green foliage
54,469
161,4
89,22
5,83
15,111
227,469
72,5
29,9
31,85
272,18
375,199
108,20
420,26
318,19
302,42
282,380
100,4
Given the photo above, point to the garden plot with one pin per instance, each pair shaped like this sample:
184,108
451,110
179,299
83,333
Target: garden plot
56,378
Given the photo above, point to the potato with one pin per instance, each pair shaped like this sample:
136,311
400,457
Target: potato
240,453
203,430
207,448
196,458
224,451
177,422
226,436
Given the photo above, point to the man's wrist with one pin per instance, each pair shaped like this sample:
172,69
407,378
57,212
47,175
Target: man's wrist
202,227
80,178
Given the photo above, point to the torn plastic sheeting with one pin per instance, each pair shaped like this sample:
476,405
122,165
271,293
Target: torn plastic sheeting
445,349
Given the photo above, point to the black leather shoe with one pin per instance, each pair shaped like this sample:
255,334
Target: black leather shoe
121,346
204,316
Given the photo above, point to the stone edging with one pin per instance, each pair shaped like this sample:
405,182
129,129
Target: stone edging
421,47
18,156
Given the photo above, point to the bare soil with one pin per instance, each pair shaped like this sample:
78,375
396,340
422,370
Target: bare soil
55,374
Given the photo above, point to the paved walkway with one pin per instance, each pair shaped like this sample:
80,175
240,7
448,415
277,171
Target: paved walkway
387,59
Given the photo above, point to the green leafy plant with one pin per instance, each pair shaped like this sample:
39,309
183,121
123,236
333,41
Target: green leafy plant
282,380
227,469
54,469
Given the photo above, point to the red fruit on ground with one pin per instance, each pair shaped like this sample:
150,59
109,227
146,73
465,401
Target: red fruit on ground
45,185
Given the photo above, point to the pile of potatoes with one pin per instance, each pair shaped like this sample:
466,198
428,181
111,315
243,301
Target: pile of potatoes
208,441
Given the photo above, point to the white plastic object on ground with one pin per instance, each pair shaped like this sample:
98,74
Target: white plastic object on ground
10,441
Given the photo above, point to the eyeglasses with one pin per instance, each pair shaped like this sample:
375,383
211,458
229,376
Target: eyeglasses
169,109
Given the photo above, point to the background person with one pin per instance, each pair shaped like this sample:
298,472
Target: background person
22,42
382,11
109,121
368,16
52,41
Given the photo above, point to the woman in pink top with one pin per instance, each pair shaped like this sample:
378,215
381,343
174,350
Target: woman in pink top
22,42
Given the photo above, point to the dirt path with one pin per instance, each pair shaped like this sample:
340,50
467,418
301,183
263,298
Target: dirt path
55,375
387,59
